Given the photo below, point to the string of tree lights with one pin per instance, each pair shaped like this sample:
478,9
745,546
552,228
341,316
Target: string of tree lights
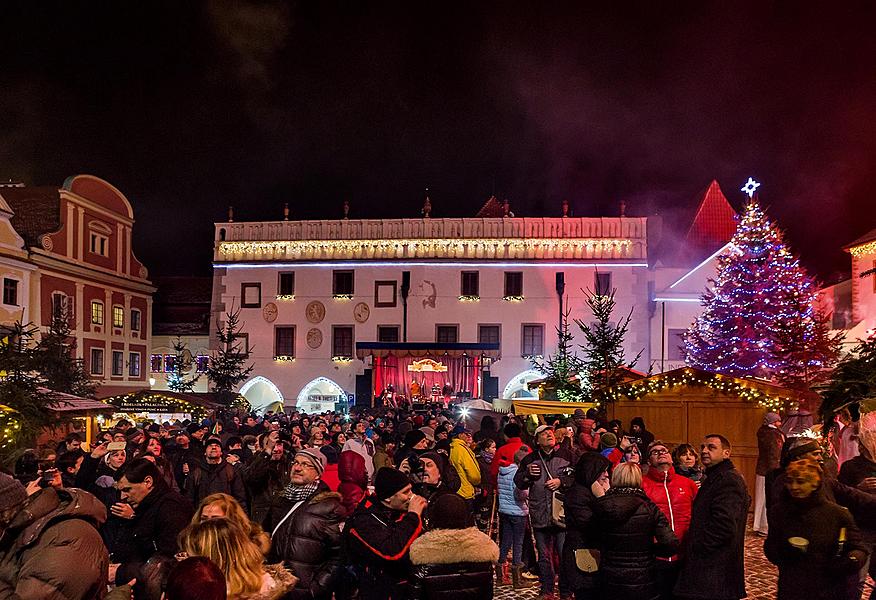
759,317
745,390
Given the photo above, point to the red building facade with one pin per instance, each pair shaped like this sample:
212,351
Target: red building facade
79,237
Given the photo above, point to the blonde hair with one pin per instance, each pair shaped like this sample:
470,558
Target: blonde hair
627,475
234,512
228,546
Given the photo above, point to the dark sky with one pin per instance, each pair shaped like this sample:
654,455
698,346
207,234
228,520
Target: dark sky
188,107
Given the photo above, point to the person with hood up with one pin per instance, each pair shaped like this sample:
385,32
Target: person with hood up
513,511
454,560
591,471
505,453
814,542
769,451
632,532
354,481
639,434
463,459
43,536
674,496
437,478
587,439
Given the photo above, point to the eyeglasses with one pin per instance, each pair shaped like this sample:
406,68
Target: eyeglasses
659,452
303,464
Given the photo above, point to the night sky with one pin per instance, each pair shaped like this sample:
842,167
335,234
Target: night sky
188,107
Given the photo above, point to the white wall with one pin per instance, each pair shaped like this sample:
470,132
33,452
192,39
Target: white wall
314,282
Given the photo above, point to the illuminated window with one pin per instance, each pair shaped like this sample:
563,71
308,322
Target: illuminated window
201,362
135,319
532,340
284,340
118,316
155,363
96,367
470,284
118,363
133,364
99,244
169,363
96,312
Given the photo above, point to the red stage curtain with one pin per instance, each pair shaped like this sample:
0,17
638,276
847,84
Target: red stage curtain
462,374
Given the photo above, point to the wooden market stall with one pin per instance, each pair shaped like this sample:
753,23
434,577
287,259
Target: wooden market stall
163,405
78,413
684,405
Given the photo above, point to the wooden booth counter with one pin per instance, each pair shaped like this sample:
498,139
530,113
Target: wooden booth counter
684,405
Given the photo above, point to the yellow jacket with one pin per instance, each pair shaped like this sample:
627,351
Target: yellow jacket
465,463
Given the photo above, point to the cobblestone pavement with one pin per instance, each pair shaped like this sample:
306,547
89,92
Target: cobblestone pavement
760,576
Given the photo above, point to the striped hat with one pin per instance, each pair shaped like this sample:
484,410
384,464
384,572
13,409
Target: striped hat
316,458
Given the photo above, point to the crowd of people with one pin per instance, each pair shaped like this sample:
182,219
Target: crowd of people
390,504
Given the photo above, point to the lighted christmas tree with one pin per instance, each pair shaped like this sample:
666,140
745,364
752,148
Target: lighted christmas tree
758,318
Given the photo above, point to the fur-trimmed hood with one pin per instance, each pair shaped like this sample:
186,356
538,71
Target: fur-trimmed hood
450,546
278,582
323,496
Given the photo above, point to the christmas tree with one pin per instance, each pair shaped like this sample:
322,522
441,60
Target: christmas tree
226,369
179,380
562,369
758,319
604,356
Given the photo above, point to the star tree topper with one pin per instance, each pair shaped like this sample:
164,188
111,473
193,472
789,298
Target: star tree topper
750,187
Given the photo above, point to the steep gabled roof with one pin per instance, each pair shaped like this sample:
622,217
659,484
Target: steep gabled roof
37,211
715,221
492,208
867,237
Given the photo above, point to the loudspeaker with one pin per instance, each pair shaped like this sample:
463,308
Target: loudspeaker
363,389
561,283
490,386
406,284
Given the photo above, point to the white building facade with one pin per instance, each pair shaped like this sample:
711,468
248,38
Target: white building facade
309,291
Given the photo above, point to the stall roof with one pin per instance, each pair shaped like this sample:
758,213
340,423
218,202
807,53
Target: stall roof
423,349
549,407
70,403
158,401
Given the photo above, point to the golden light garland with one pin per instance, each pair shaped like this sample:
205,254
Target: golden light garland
718,382
10,425
284,358
163,404
285,297
512,298
462,248
469,298
868,248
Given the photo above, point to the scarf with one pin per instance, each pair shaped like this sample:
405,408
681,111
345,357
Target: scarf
299,493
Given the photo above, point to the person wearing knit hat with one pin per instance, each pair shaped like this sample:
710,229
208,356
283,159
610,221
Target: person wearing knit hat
51,547
803,539
769,454
304,524
380,532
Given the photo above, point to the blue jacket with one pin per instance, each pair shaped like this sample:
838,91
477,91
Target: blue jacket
512,500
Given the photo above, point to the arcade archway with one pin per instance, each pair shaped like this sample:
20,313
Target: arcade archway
262,394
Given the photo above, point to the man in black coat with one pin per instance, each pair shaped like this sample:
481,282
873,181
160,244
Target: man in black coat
714,546
215,476
304,523
155,513
379,535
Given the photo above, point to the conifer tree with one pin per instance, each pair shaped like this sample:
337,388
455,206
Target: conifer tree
226,369
561,368
604,354
60,369
758,317
178,380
